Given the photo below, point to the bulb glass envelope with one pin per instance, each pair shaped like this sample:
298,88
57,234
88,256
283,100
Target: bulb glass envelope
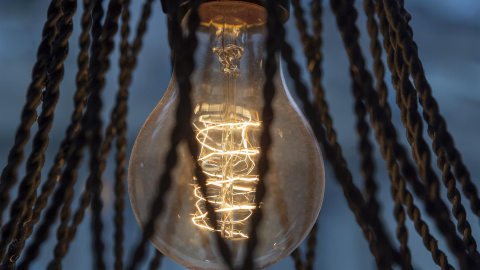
227,98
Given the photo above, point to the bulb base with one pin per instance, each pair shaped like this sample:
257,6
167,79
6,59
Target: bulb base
184,6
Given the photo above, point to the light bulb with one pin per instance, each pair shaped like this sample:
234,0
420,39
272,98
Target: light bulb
227,98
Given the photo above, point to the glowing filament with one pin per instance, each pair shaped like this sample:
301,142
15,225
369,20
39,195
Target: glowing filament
227,157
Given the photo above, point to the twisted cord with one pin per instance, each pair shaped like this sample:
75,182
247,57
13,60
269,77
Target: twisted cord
156,261
316,11
297,259
350,36
311,245
121,129
272,44
407,58
406,96
29,114
97,162
74,155
381,87
25,199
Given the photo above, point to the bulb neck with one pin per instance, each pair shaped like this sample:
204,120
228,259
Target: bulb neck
183,7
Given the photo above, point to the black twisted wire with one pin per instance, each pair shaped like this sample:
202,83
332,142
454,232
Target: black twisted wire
350,36
312,51
442,144
381,88
35,162
272,46
311,246
310,45
297,259
316,12
75,153
156,261
97,162
183,49
397,65
121,129
33,99
85,198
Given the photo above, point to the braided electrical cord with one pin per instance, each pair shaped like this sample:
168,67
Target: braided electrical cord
75,153
29,114
24,202
316,12
85,198
118,118
297,259
156,261
406,96
272,46
97,162
381,88
311,245
350,35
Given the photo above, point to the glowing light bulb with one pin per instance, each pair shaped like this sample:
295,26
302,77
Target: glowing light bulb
227,99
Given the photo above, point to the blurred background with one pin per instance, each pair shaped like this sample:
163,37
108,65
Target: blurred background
447,33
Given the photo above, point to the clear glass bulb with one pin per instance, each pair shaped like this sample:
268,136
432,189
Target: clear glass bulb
228,100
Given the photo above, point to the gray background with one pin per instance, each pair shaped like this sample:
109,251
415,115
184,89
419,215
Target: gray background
448,35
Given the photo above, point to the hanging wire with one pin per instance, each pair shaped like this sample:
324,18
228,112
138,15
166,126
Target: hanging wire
118,119
156,261
381,88
272,46
317,15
